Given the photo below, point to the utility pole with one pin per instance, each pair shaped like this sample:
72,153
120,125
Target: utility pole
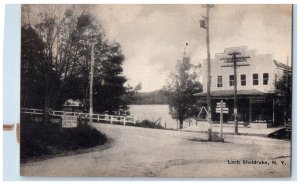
205,25
235,90
235,59
91,85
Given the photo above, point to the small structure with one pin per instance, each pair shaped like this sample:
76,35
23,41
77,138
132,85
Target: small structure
72,106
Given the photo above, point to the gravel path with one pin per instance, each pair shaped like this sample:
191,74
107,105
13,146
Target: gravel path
140,152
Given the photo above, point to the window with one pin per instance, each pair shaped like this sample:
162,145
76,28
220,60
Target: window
219,83
255,79
243,80
265,78
231,80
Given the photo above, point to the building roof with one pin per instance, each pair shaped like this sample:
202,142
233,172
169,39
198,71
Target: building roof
281,65
251,92
72,103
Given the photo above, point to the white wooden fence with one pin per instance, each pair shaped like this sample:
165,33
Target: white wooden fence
31,111
96,117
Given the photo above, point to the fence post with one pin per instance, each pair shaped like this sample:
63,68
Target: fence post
124,120
133,119
111,119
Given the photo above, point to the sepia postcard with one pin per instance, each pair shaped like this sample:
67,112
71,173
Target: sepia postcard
169,91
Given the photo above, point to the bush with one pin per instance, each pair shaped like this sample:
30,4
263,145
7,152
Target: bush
146,124
38,139
281,134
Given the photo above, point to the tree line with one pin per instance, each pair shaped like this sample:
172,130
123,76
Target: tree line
56,56
154,97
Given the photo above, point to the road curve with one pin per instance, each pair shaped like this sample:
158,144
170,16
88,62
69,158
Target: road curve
141,152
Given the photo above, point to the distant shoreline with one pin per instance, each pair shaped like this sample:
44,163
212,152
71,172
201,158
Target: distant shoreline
154,97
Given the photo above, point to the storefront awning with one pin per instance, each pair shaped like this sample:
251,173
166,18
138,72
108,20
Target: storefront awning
230,93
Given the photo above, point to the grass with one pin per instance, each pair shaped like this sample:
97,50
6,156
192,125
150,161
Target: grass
38,140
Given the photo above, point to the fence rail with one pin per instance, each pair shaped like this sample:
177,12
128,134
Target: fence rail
95,117
31,111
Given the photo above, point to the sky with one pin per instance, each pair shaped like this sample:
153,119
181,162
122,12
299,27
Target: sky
153,37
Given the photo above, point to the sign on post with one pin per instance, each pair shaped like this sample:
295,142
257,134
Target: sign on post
69,121
222,109
225,110
221,103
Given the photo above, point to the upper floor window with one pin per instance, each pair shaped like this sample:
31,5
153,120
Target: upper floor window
219,82
231,80
243,80
255,79
265,78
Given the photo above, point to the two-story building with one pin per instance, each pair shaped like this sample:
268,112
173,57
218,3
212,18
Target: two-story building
255,82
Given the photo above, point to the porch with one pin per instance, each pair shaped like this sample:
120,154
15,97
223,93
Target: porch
253,106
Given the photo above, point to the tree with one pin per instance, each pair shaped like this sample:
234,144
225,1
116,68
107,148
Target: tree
180,91
61,53
109,87
129,96
282,96
62,48
86,31
32,73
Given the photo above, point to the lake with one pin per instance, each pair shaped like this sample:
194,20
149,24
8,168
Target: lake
153,113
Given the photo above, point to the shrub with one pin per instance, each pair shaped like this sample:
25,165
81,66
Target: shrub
148,124
38,139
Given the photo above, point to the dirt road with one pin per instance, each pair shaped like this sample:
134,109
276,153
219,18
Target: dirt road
164,153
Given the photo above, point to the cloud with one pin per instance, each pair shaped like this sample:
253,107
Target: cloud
153,36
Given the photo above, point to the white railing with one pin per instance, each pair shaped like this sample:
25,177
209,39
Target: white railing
61,113
95,117
31,111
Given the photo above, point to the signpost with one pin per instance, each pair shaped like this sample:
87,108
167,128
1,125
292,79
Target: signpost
205,25
221,109
69,121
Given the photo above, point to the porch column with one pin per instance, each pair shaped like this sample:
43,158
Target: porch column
250,111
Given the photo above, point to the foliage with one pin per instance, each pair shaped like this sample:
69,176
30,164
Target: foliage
180,91
146,124
283,99
38,140
109,87
56,56
32,73
154,97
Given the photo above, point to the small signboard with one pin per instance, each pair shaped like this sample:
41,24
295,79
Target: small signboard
224,109
69,121
224,112
219,104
